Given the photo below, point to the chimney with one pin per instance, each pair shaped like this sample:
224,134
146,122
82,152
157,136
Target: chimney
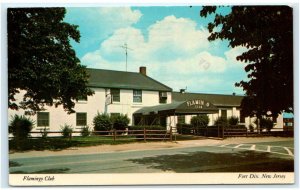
143,71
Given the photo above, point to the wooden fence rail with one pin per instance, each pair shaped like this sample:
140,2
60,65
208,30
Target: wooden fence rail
117,134
223,132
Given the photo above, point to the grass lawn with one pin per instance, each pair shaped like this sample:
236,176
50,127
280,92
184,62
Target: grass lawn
59,143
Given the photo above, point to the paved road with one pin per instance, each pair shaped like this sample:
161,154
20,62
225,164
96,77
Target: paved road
248,157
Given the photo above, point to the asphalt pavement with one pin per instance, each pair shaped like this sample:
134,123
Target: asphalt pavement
276,156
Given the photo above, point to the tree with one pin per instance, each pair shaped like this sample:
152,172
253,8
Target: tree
267,33
41,61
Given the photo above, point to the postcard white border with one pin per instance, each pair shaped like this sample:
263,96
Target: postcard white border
113,179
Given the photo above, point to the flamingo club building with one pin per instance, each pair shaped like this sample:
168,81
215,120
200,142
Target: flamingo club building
143,99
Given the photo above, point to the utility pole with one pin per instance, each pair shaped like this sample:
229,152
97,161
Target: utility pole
126,48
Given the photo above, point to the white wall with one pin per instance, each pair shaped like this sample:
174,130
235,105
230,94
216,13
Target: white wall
94,104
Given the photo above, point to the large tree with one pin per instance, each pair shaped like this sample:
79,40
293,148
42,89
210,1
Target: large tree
267,32
41,61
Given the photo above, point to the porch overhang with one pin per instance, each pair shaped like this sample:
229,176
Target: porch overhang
190,107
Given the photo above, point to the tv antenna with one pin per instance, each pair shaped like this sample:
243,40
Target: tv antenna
126,48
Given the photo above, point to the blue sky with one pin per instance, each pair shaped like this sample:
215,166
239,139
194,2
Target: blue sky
170,41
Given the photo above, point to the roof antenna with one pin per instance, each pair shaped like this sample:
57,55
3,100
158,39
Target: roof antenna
126,48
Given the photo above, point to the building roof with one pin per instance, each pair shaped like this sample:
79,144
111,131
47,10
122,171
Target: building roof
219,100
123,80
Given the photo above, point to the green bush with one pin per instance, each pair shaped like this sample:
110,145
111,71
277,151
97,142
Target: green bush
185,129
200,120
102,122
237,127
233,120
266,124
44,133
149,127
120,122
20,127
85,131
222,121
66,130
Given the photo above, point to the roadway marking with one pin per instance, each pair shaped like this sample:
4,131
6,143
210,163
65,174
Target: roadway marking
224,145
269,149
289,152
252,147
238,146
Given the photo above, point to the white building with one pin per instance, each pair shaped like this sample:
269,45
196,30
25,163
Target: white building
136,94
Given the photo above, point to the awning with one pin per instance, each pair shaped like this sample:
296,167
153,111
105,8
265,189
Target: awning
197,106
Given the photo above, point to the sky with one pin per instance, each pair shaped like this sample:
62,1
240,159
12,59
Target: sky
171,41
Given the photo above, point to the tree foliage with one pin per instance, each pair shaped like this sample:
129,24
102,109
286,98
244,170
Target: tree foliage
267,33
41,60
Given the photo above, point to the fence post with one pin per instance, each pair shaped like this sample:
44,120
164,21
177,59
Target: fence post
70,136
222,131
246,132
145,134
171,133
218,131
114,134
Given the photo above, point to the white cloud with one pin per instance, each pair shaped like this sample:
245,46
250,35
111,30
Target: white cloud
233,53
178,35
118,17
175,53
103,21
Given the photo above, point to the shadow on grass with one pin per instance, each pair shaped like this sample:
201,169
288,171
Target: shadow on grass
243,161
14,164
47,171
59,143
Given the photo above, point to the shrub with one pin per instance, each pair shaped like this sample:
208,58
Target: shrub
149,127
266,124
200,120
102,122
66,130
120,122
233,120
85,131
251,127
238,127
20,127
185,129
221,121
44,133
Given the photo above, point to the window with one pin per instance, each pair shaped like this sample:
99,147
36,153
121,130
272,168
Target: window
80,119
115,94
181,119
224,114
137,96
42,119
163,97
